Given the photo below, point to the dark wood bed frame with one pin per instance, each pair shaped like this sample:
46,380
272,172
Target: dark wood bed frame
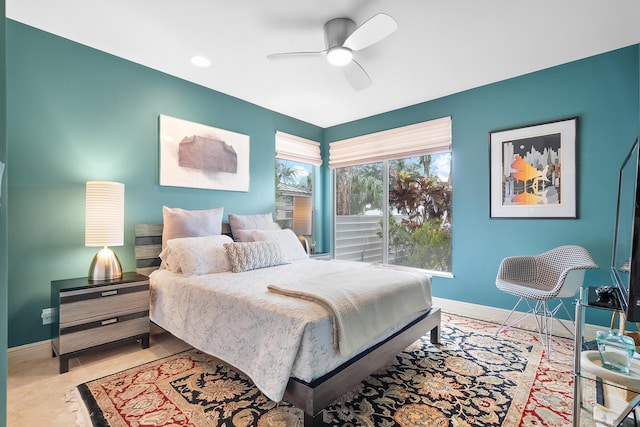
312,397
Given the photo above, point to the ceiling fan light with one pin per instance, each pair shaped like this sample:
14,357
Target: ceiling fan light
339,56
200,61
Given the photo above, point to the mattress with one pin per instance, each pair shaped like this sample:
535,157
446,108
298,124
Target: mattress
267,336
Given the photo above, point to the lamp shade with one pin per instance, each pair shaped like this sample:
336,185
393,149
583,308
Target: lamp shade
302,215
104,220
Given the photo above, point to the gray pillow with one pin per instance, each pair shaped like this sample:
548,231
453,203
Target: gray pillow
245,256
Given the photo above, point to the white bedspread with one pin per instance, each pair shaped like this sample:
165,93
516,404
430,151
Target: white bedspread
362,305
269,337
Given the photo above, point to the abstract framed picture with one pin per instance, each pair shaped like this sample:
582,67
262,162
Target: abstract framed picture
199,156
533,171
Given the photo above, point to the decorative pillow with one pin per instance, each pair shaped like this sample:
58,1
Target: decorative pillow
200,255
190,223
245,256
250,222
291,247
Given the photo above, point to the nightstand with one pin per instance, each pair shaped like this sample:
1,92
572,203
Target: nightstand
321,256
89,315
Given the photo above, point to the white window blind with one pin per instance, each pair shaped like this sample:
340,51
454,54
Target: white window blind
297,149
420,139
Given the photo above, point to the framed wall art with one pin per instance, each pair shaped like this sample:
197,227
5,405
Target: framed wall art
199,156
533,171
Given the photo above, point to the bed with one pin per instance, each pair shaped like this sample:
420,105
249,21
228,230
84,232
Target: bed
299,357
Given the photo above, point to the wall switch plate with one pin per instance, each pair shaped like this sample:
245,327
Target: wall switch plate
47,315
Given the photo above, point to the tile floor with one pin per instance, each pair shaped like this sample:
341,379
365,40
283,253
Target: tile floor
36,391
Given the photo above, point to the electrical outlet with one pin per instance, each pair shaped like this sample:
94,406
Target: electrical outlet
47,315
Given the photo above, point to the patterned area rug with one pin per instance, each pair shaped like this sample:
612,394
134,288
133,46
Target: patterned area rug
472,379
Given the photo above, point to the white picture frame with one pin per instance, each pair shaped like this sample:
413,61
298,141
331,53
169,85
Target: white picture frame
533,171
194,155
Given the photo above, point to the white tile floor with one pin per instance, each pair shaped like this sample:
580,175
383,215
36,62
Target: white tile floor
36,391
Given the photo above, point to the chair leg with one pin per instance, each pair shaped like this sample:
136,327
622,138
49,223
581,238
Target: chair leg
551,316
548,326
538,311
568,315
513,310
544,317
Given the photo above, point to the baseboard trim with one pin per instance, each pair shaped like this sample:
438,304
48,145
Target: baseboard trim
497,315
35,351
42,349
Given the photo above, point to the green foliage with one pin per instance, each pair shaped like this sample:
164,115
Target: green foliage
419,197
427,246
430,247
357,187
285,173
399,240
423,238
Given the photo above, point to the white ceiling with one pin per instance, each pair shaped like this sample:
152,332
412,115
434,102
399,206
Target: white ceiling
441,47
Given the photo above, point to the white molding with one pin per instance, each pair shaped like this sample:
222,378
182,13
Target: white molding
35,351
497,315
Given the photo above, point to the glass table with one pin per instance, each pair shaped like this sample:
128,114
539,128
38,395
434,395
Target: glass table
619,393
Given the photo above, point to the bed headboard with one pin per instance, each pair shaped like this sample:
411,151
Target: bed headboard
149,245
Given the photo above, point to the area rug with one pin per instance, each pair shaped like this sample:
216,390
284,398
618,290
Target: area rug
473,378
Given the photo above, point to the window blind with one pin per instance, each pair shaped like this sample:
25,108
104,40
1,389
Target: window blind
420,139
297,149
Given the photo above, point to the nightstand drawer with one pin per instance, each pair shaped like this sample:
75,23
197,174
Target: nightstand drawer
102,333
82,306
92,315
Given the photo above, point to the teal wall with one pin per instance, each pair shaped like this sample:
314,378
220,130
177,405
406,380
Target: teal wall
602,91
3,223
78,114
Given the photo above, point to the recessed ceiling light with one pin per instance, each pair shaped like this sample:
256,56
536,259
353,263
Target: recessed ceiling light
200,61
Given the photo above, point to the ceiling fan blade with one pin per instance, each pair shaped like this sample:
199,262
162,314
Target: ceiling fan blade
370,32
295,55
356,76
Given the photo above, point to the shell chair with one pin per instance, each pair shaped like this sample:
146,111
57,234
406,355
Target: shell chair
537,279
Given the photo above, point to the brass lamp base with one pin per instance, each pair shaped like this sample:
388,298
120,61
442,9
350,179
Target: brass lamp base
105,266
304,242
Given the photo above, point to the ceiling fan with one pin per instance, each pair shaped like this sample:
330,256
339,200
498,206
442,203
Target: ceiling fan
342,39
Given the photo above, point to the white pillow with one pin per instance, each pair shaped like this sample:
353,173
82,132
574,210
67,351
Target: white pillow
291,247
169,261
200,255
190,223
240,223
243,235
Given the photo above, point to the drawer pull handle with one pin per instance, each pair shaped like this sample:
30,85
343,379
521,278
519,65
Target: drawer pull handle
110,293
109,321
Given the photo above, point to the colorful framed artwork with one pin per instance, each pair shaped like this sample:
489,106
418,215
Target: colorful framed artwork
533,171
200,156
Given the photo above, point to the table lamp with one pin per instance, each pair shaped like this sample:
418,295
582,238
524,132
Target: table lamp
104,226
302,219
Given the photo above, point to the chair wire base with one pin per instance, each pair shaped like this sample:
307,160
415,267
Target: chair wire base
544,320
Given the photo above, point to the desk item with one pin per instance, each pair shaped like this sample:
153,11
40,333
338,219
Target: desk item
616,350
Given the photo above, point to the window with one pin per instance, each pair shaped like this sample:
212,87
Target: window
393,196
293,180
360,204
296,160
419,222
